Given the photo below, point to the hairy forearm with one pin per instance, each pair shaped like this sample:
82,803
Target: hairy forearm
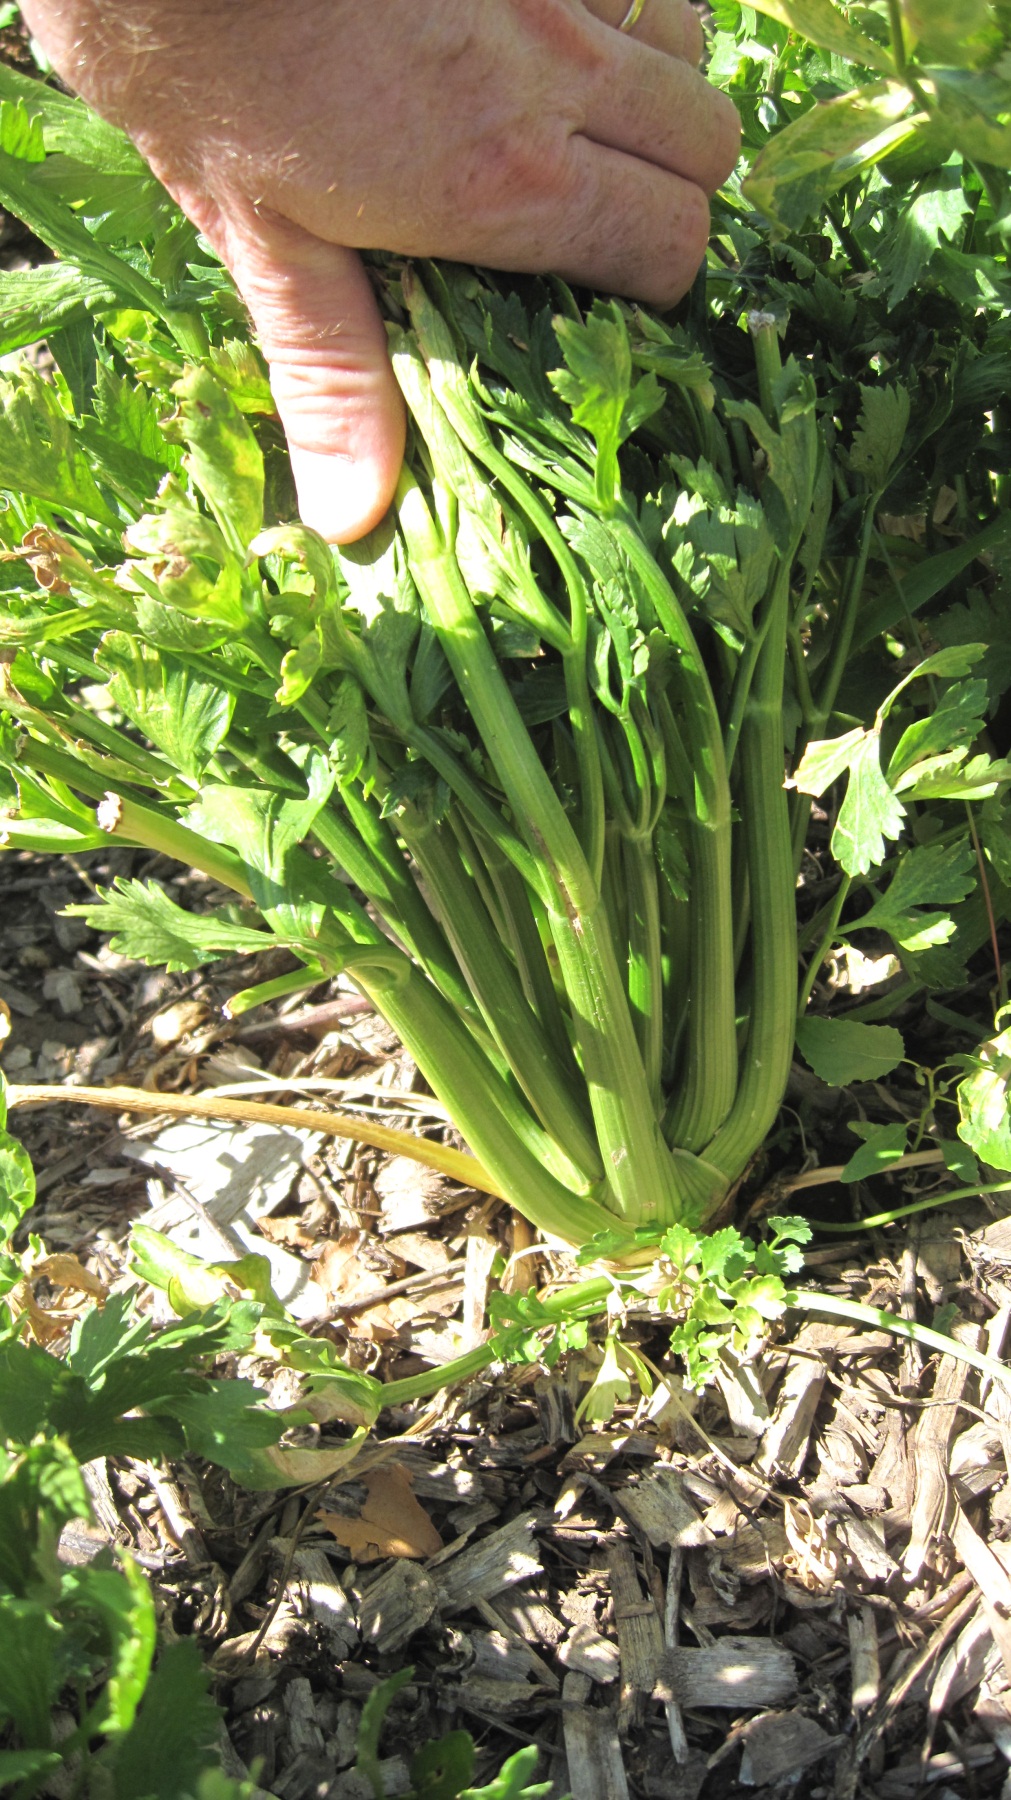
139,62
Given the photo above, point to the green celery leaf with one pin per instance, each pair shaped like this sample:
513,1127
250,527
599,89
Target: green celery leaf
724,553
824,24
41,1489
21,132
974,107
70,125
224,460
966,34
671,355
69,238
242,372
985,1120
836,140
869,814
17,1185
166,628
611,1387
994,824
959,1160
790,1228
40,452
844,1050
936,211
597,383
928,579
351,750
981,619
146,925
32,1384
723,1255
121,1602
225,1421
119,207
130,440
825,760
952,724
36,302
763,1295
954,777
75,354
878,438
370,1726
511,1783
791,446
185,713
174,1734
441,1770
266,829
929,875
882,1146
33,1668
17,1766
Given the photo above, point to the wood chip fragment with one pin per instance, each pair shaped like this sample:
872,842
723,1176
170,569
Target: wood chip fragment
785,1444
484,1569
865,1660
930,1448
680,1748
992,1579
640,1635
300,1714
660,1508
994,1714
960,1669
864,1539
587,1653
781,1744
481,1250
592,1750
738,1674
743,1395
397,1605
314,1583
499,1629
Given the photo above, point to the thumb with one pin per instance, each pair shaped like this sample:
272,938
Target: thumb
320,329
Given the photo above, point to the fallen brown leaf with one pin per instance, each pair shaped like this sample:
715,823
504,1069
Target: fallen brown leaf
391,1523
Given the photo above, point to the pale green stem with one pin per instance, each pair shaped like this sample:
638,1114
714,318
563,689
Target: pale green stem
857,1314
640,1174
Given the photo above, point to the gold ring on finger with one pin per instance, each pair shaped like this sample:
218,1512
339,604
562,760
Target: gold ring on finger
633,15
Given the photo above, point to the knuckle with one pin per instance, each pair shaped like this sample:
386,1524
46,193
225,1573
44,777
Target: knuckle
505,173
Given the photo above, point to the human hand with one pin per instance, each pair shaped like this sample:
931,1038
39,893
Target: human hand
529,135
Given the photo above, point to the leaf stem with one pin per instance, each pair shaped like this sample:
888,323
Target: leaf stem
765,1064
639,1172
583,1300
825,944
455,1164
806,1300
879,1220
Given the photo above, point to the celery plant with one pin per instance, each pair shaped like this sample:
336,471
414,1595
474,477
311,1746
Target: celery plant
533,766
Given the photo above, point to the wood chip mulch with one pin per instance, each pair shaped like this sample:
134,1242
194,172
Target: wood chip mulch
797,1582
